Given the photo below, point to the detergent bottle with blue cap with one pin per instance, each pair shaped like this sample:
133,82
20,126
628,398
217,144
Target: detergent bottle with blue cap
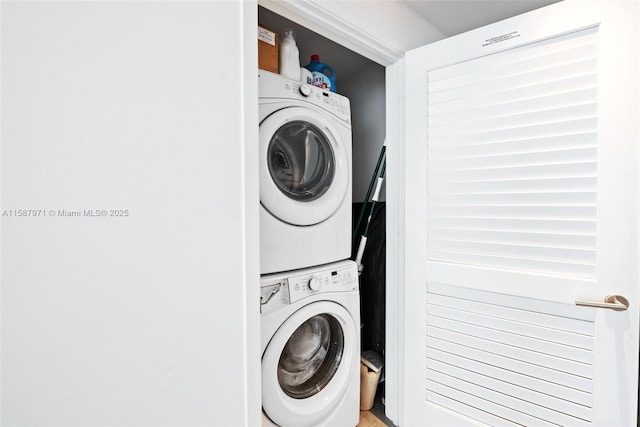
323,74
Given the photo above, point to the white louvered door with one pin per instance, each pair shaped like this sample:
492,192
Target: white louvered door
522,196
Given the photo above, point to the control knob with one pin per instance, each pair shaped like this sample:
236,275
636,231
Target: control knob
314,284
305,89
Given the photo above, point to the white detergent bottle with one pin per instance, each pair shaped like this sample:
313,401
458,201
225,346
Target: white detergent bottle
289,55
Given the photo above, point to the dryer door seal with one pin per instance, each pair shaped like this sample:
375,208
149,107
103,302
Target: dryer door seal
304,170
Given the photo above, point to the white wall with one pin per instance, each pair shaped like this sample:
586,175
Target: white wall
137,320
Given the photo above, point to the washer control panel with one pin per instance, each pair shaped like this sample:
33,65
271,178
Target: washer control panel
341,279
279,289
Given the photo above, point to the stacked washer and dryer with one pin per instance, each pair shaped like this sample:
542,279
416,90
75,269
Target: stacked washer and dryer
309,295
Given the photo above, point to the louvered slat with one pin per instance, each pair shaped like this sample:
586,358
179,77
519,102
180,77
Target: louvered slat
580,400
518,409
508,82
543,320
533,357
520,119
516,225
505,98
535,239
512,185
532,198
473,397
574,155
535,252
575,96
552,310
535,145
527,162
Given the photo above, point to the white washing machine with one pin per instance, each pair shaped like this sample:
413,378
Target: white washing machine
311,346
305,175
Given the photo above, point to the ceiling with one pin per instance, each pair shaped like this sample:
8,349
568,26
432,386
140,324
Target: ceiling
458,16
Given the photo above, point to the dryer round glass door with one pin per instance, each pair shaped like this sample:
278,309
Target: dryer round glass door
308,364
304,166
301,161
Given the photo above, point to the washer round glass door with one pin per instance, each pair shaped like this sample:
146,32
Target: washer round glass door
303,166
311,356
308,364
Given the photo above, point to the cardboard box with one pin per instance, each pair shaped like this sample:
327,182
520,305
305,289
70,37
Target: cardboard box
267,50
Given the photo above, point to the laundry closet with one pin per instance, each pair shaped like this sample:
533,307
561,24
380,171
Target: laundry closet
362,81
497,95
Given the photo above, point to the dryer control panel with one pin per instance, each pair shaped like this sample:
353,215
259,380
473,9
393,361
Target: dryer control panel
279,87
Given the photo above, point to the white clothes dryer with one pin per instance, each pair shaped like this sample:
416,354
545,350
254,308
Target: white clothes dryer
311,346
305,175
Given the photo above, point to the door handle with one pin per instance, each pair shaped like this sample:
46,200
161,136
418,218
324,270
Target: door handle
614,302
